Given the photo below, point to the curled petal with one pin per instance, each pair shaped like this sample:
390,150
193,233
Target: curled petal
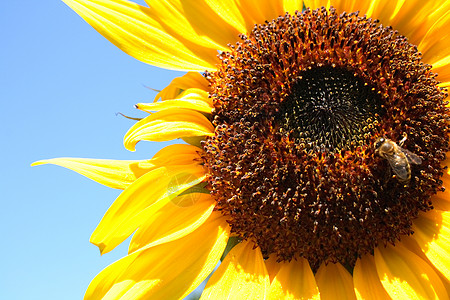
195,99
167,125
179,84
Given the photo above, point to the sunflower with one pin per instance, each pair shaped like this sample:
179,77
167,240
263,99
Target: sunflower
314,156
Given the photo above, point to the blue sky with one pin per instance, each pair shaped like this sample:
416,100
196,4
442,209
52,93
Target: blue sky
61,85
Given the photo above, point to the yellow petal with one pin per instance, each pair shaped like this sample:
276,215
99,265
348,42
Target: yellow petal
194,140
272,266
180,84
444,84
384,10
106,281
435,47
258,11
400,14
141,200
120,174
412,18
387,11
416,17
241,275
435,44
194,21
366,281
232,13
167,125
136,31
291,6
404,275
334,282
198,105
176,154
295,280
117,174
167,271
243,15
172,222
350,6
442,68
432,233
313,4
441,200
195,99
411,244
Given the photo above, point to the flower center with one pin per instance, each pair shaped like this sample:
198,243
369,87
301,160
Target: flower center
298,106
329,108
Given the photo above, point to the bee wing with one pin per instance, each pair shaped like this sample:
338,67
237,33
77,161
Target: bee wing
399,165
412,158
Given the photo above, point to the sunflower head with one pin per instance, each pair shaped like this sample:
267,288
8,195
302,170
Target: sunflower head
298,105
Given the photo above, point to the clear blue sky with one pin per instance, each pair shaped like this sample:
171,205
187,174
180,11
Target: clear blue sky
61,84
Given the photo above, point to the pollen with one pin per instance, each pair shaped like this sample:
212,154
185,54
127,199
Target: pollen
298,105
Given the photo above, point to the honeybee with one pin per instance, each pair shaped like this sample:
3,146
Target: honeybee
399,158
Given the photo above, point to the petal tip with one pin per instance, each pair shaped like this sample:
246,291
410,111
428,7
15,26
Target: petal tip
39,162
129,145
101,247
131,148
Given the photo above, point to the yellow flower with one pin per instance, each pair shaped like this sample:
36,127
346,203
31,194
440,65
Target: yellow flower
296,151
